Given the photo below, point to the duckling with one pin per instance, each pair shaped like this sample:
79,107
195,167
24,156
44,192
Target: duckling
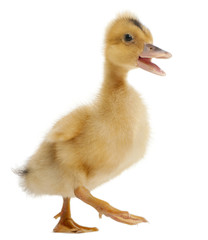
95,143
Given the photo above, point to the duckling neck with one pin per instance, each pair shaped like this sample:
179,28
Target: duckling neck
114,78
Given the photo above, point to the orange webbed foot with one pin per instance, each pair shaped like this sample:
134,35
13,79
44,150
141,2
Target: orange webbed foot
69,226
106,209
66,224
121,216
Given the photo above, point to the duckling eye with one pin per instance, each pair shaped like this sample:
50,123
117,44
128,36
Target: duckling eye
128,38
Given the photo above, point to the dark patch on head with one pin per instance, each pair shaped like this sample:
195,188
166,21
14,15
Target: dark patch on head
136,23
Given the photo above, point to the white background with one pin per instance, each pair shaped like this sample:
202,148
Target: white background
51,60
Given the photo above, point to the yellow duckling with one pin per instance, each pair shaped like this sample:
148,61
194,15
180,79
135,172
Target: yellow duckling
95,143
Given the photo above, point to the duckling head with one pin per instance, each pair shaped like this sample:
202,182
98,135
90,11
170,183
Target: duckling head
129,45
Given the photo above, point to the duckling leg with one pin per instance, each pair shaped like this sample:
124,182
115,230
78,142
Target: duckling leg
105,208
66,224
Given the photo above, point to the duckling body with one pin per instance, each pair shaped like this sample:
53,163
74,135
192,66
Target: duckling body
113,135
96,142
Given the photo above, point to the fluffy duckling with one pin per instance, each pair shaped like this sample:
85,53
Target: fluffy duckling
95,143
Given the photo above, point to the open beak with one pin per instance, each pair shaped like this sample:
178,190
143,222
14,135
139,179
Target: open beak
150,51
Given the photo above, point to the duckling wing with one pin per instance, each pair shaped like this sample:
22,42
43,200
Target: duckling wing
69,126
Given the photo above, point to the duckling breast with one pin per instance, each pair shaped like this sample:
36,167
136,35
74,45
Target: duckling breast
120,138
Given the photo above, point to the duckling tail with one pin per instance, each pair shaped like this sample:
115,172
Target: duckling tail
22,172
